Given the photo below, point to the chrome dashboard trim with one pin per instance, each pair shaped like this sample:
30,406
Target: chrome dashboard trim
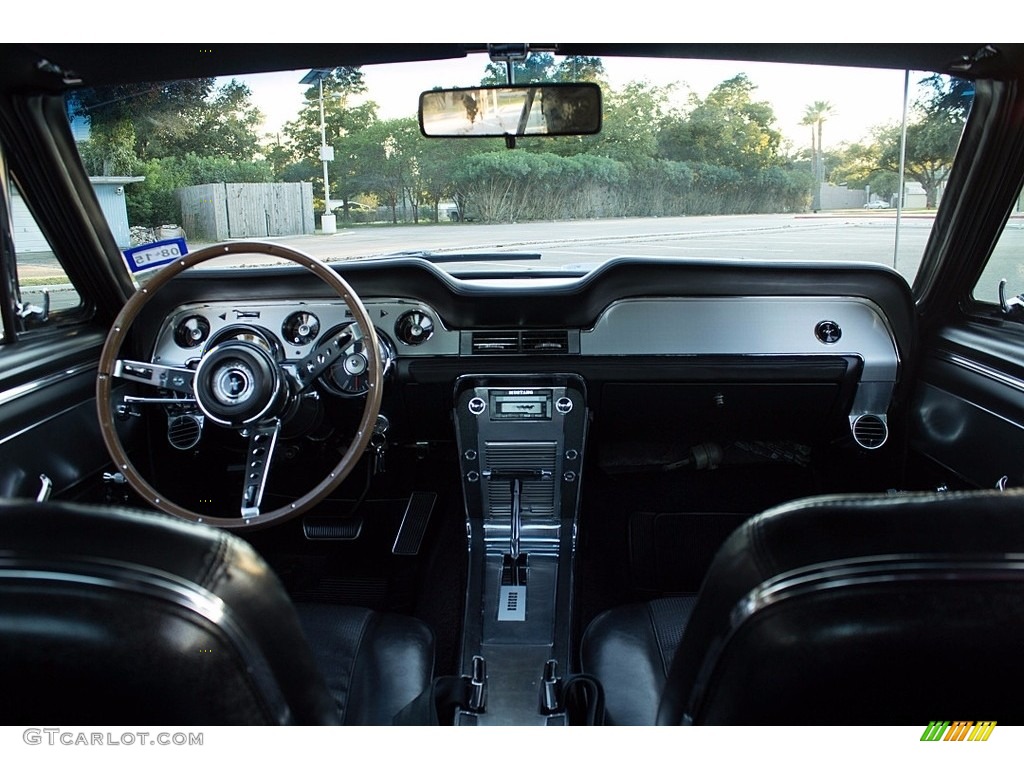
270,315
782,325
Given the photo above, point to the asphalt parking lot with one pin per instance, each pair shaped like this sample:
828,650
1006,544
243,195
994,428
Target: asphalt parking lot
860,236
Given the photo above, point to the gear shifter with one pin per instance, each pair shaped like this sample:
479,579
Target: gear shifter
512,600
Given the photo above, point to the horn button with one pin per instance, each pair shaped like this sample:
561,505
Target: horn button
238,383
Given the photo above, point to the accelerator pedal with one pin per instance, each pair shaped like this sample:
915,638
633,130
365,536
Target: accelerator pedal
414,524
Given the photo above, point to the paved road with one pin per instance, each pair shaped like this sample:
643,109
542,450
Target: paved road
867,237
855,236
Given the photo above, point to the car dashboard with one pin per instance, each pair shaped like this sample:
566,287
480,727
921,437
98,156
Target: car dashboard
690,348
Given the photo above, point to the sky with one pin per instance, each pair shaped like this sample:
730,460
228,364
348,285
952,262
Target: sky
861,98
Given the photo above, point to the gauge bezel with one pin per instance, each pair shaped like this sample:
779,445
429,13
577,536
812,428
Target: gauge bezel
387,351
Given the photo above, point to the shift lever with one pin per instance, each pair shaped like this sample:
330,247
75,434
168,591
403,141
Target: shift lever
512,600
515,478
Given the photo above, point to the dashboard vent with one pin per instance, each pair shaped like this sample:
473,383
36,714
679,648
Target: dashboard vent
495,343
545,342
520,342
870,431
183,432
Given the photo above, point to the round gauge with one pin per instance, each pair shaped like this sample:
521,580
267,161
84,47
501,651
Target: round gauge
300,328
253,334
347,377
414,327
191,331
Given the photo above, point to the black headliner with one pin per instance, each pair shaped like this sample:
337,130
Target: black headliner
98,64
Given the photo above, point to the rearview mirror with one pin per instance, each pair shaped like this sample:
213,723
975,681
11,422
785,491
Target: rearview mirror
557,109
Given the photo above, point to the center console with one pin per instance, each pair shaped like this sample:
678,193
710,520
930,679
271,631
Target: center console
521,441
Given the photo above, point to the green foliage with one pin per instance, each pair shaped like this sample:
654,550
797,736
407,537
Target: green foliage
168,119
933,134
341,116
110,150
815,115
719,154
541,68
537,68
728,128
225,126
633,121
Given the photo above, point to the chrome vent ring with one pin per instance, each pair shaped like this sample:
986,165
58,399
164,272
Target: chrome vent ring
183,432
870,431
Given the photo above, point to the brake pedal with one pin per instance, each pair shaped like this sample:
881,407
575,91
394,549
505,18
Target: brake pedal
414,524
332,528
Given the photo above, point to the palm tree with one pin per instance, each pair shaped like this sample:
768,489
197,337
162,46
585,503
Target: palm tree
815,115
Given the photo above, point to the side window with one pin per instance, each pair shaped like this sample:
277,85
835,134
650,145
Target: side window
1006,263
45,293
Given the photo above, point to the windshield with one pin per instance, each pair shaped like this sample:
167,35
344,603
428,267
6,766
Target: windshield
697,159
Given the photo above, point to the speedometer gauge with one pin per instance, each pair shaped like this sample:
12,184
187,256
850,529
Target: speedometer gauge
348,377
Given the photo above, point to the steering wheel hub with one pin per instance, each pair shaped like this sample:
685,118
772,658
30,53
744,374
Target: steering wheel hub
238,384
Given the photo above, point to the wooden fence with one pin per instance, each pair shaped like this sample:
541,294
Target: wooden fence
215,212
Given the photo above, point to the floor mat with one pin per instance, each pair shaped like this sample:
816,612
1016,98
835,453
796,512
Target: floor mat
671,552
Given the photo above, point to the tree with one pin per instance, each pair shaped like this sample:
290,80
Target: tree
815,115
860,165
384,162
727,129
933,133
537,68
948,96
576,69
341,116
632,120
438,162
931,145
169,119
342,120
124,119
226,126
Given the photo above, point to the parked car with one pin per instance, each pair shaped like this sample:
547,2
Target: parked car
876,205
588,461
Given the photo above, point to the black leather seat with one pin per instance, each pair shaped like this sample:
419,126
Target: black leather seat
118,617
838,610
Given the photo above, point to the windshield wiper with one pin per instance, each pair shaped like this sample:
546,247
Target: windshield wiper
442,258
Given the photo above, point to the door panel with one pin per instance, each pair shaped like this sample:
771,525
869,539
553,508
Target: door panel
48,421
968,412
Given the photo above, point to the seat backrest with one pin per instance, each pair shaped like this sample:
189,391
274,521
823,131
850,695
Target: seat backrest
852,610
114,617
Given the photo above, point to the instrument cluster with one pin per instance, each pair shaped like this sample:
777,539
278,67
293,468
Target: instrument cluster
291,330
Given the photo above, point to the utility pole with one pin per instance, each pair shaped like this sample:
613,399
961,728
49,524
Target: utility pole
328,223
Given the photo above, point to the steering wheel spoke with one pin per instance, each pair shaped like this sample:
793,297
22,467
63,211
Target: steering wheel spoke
306,371
170,377
259,455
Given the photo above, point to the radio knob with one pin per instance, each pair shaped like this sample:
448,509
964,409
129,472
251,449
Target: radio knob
477,406
563,405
